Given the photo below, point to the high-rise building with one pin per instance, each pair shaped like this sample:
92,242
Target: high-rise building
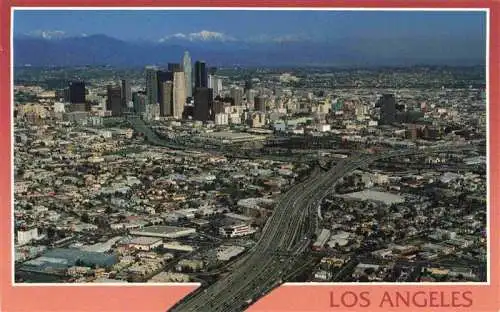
218,86
139,99
211,81
237,95
215,83
250,95
188,72
174,67
161,77
114,100
203,104
179,94
200,75
260,103
126,95
152,84
76,92
166,107
248,85
387,104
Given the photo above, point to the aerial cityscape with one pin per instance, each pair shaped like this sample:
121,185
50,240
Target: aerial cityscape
194,162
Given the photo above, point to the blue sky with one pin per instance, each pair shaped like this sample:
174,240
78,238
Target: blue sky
266,25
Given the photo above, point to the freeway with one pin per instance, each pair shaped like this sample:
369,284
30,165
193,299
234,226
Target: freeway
236,153
286,231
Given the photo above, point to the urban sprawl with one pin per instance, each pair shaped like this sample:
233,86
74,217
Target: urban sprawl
244,178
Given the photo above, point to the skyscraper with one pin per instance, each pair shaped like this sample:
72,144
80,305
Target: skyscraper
161,77
237,95
166,108
387,105
215,83
114,100
200,72
76,92
203,104
126,95
139,99
260,103
152,85
188,72
179,94
248,85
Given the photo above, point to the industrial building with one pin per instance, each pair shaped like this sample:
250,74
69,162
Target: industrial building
145,243
226,253
323,237
375,196
164,231
234,228
58,260
177,246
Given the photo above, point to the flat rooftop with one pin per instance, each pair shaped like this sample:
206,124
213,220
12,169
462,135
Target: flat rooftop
383,197
163,229
144,240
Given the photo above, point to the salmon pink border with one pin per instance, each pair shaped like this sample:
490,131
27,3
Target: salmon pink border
290,297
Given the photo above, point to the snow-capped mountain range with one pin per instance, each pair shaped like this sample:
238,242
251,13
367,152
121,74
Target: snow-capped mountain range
43,48
204,35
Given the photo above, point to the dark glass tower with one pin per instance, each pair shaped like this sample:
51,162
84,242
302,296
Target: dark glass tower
76,92
387,104
114,100
200,75
203,104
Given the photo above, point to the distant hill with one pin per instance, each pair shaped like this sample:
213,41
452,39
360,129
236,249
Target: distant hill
104,50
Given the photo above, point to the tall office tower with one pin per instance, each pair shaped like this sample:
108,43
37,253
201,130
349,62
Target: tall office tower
152,84
166,107
237,95
203,104
114,100
387,104
248,85
126,95
174,67
76,92
212,84
260,103
218,86
200,75
139,99
211,81
188,71
161,77
179,94
251,94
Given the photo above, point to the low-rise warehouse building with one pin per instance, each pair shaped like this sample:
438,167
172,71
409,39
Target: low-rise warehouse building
379,197
145,243
226,253
164,231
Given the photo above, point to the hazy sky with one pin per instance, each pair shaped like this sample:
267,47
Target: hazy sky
316,25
